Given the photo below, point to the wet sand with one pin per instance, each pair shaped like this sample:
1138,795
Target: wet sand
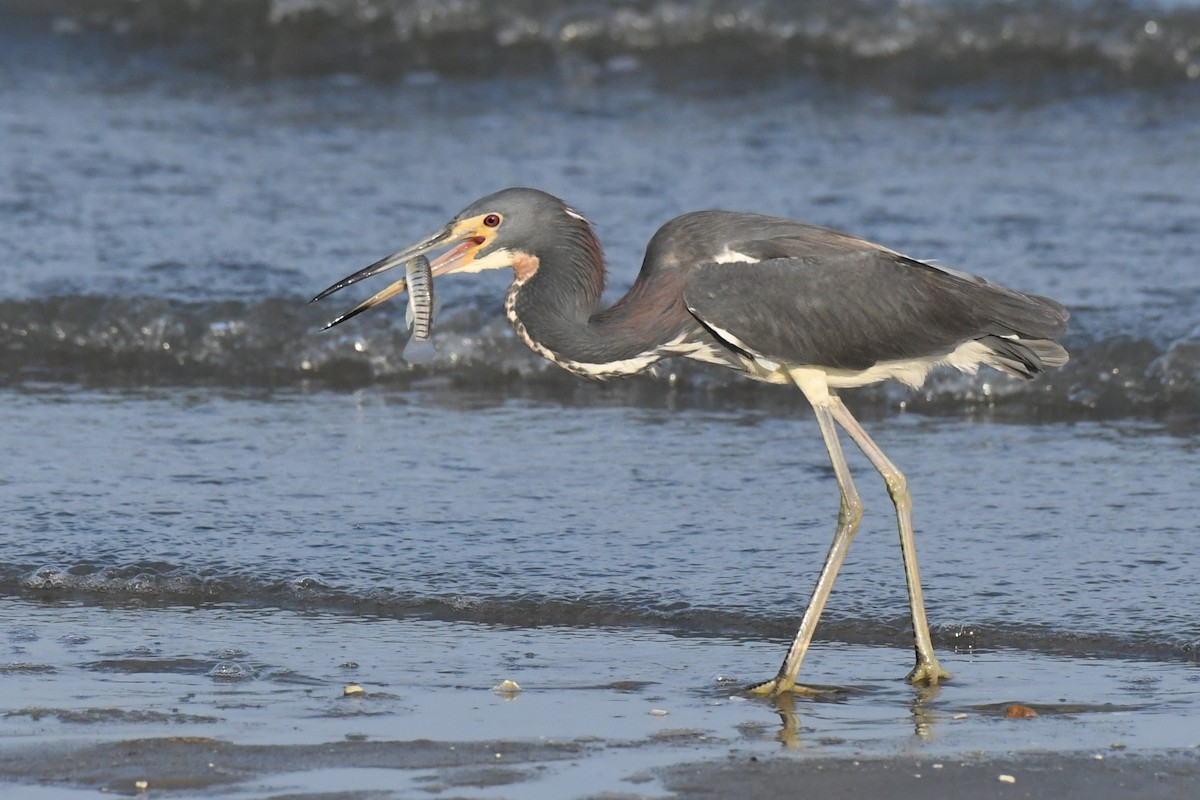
98,700
187,765
1058,775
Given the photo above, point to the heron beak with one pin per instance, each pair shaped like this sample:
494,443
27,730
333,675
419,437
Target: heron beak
465,238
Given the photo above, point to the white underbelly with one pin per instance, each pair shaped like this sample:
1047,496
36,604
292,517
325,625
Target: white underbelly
910,371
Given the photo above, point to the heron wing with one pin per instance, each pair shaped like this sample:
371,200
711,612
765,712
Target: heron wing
701,237
854,308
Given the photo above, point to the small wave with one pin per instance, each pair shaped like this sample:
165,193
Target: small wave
887,44
120,342
151,584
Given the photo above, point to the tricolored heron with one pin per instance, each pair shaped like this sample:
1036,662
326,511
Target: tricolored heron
774,299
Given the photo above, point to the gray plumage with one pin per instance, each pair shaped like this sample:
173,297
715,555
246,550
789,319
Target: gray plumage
830,306
812,297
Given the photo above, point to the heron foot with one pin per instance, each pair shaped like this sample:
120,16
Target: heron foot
780,686
927,673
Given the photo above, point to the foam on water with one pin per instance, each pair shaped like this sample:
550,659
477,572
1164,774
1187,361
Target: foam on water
122,341
905,47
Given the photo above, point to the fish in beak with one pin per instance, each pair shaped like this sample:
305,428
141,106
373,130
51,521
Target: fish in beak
465,238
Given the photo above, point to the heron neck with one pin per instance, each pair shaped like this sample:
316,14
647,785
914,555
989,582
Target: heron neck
555,311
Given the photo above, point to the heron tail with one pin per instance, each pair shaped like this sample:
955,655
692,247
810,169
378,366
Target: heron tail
1024,358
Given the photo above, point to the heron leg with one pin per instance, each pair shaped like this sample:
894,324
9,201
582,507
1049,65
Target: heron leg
849,513
927,670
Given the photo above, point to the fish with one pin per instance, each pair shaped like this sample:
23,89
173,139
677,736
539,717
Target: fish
419,315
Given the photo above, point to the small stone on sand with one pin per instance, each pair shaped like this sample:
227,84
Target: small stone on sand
1018,711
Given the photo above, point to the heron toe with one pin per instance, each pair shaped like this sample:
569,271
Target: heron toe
779,687
927,673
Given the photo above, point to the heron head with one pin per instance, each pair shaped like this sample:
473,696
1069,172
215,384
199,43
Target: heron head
500,230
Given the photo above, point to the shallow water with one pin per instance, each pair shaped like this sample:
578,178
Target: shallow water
209,510
404,505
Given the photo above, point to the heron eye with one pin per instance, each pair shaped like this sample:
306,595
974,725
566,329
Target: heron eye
491,220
